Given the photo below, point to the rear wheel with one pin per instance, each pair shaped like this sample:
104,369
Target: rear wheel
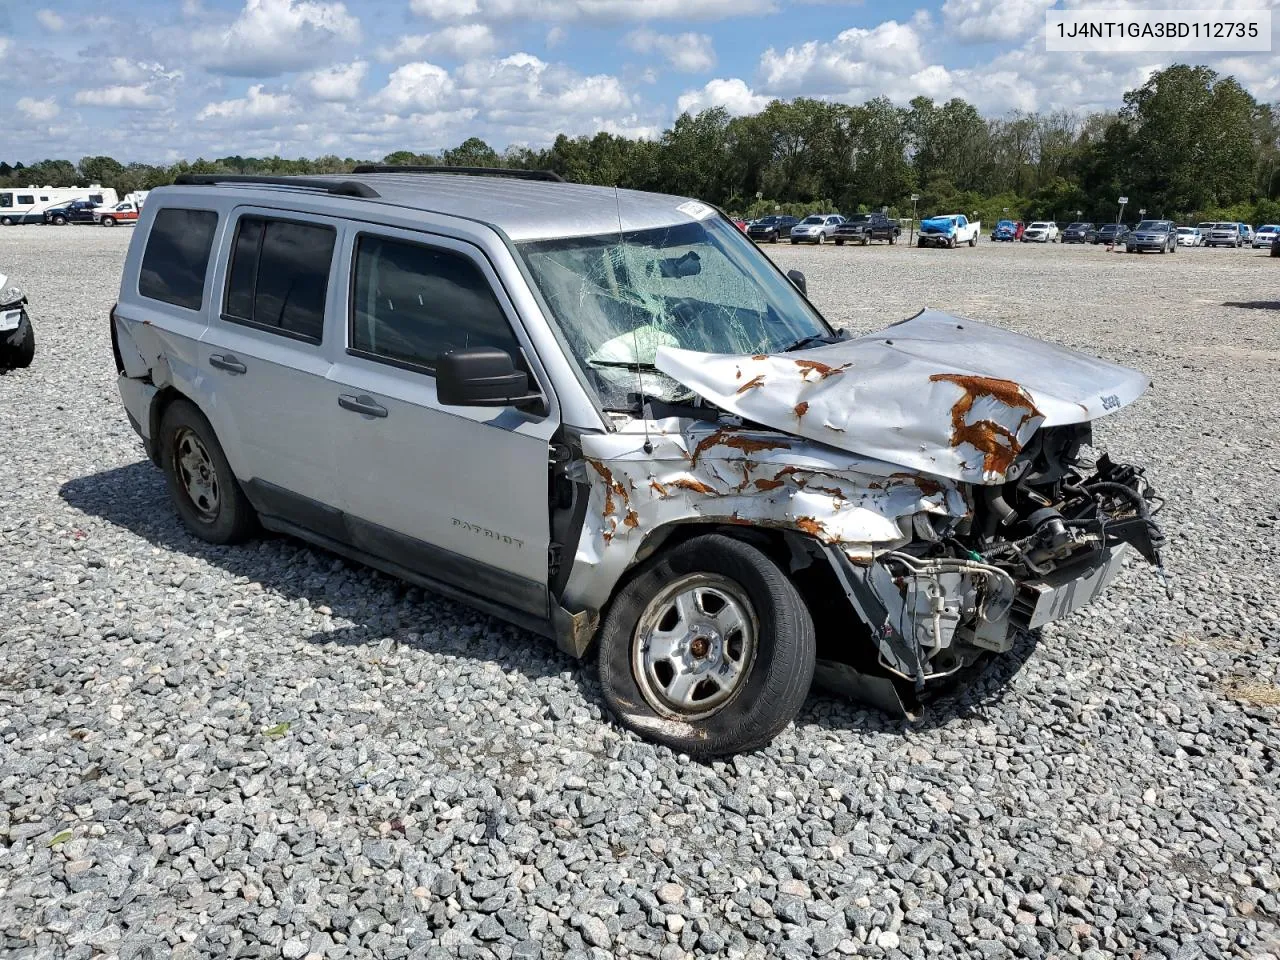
973,241
709,649
204,490
6,221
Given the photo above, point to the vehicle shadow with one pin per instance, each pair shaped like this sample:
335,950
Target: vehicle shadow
382,609
1254,304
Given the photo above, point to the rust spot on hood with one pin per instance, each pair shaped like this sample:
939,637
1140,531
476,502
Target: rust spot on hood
631,519
760,356
801,409
611,486
926,485
658,488
997,443
756,381
766,484
823,370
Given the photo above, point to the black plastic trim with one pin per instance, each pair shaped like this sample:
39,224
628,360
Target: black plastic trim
509,172
341,188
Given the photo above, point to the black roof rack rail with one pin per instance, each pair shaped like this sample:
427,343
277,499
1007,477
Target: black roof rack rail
341,188
511,172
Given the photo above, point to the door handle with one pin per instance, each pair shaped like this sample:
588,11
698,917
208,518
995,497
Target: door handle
362,404
227,363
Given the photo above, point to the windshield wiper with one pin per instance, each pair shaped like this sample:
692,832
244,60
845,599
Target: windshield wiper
623,364
818,340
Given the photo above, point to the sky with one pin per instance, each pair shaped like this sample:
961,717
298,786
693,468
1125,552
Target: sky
160,80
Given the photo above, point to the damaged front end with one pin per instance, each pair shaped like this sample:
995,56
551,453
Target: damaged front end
934,469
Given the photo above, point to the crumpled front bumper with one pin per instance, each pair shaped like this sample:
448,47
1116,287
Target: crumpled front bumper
14,322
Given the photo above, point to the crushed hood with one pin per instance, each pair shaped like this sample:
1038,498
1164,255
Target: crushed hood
937,393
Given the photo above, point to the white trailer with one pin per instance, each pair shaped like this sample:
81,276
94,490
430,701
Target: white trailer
28,204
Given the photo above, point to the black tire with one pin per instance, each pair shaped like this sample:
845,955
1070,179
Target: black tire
920,243
795,242
777,681
59,221
20,355
892,239
973,241
822,238
774,238
233,519
951,243
6,221
839,243
108,221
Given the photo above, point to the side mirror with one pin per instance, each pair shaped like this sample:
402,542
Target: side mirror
796,277
482,377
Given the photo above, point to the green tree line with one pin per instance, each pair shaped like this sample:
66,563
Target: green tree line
1188,144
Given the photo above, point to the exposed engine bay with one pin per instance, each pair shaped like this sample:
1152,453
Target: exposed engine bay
1035,548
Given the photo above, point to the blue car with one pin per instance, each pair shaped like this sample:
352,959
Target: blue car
1006,230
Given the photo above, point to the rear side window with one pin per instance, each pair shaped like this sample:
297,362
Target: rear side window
279,277
26,198
177,256
95,198
411,304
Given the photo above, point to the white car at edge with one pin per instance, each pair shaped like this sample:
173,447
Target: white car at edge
1042,231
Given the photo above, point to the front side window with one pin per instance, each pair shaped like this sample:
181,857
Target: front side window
412,303
177,256
700,285
279,276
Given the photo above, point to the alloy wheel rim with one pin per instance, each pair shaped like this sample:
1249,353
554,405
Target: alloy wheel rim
694,646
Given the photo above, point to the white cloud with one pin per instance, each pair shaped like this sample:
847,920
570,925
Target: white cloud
50,20
982,20
465,41
271,37
687,52
337,83
522,83
416,88
134,97
255,105
597,10
857,65
732,94
4,46
556,36
40,111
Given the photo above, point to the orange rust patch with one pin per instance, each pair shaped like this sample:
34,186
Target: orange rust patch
697,486
823,370
727,438
611,486
802,408
926,485
657,488
761,356
810,526
996,442
756,381
631,520
766,484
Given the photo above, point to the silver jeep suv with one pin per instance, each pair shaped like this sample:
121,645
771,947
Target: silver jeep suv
607,417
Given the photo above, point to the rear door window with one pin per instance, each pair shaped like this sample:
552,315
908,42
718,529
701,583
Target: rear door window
279,277
177,256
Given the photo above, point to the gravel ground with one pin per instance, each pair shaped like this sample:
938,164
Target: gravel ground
266,751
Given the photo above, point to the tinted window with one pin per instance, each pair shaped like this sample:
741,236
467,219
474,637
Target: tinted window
95,197
414,303
280,276
177,256
6,199
26,198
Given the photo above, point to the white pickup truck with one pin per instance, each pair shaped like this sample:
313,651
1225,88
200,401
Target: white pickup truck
948,231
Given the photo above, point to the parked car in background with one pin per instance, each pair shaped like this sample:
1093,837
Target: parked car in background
769,229
1077,233
949,230
1275,247
1264,235
818,228
1111,233
1158,235
17,339
1190,237
705,539
28,205
1008,230
1205,228
77,211
124,212
1226,234
864,227
1246,234
1042,231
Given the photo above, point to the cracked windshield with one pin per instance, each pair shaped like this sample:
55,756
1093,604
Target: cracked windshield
700,286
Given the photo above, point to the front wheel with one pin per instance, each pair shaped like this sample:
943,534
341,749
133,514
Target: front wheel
203,488
839,243
59,221
774,238
709,650
892,239
19,355
108,221
822,238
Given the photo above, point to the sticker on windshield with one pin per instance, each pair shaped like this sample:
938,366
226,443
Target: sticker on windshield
699,211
